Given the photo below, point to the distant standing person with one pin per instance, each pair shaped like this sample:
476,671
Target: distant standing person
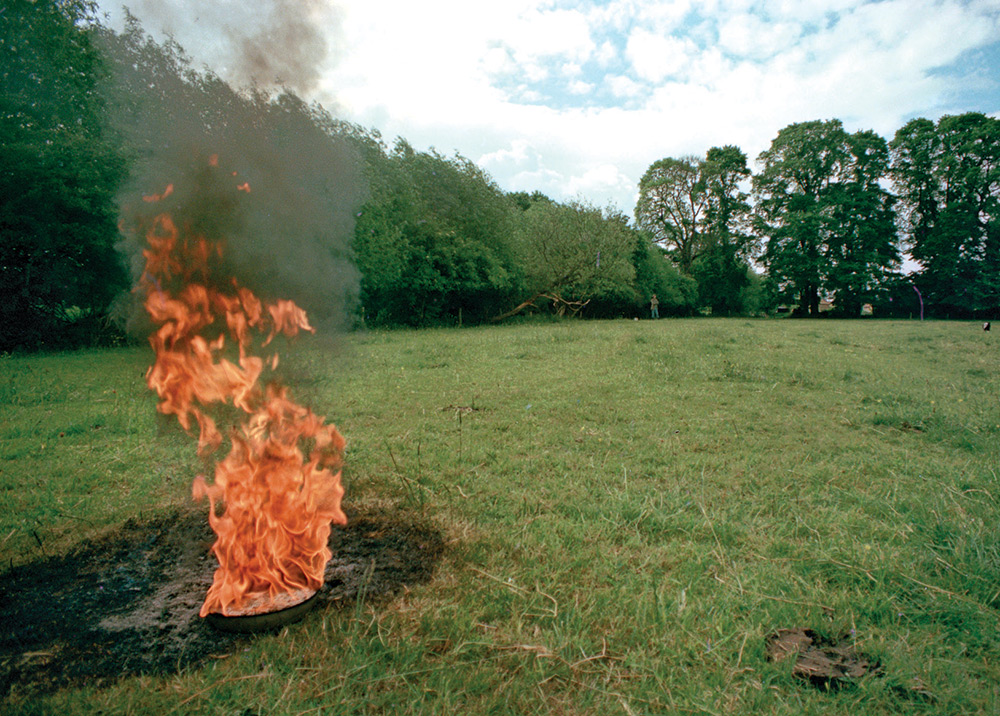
654,307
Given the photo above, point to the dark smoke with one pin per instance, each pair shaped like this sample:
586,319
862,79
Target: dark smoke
287,51
267,44
290,236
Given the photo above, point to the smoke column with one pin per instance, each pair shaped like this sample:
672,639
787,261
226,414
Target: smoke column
274,43
290,236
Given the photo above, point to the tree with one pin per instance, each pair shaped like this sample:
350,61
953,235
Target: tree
58,267
570,253
948,180
434,241
915,150
791,191
720,277
825,215
697,210
722,269
861,246
673,207
381,236
724,171
524,201
656,273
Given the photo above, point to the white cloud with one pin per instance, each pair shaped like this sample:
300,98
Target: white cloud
662,17
811,11
520,154
534,71
538,34
747,35
709,68
655,57
623,87
602,180
606,53
530,95
497,60
522,164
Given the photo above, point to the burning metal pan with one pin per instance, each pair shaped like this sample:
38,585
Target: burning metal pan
254,619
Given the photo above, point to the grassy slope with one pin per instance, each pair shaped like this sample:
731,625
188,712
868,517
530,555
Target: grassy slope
632,508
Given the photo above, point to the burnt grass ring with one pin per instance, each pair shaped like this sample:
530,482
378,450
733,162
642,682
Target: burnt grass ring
127,603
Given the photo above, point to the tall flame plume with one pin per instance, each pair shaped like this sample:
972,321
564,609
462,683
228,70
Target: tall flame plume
276,493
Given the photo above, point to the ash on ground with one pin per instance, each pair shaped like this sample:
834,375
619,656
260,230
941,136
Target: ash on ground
128,603
823,662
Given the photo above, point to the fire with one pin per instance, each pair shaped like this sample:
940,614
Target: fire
279,487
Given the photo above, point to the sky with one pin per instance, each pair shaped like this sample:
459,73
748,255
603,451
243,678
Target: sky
576,98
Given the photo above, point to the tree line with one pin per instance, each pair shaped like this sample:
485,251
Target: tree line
829,214
437,242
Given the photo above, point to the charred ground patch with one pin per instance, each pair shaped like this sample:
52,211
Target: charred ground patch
825,663
128,603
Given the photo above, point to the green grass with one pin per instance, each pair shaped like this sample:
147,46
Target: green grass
631,509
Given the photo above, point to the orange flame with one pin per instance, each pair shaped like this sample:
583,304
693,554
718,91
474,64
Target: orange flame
158,197
279,486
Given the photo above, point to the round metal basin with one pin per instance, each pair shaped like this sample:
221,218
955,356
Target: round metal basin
265,621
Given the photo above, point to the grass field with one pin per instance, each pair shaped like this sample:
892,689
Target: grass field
630,509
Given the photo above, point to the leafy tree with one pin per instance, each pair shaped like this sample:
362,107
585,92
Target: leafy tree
720,277
722,268
382,233
861,246
724,172
798,168
697,210
524,201
656,273
825,214
915,151
571,253
948,180
756,297
473,224
434,241
58,267
673,208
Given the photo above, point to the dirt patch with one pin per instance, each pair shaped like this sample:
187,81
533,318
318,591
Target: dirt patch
824,663
128,603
